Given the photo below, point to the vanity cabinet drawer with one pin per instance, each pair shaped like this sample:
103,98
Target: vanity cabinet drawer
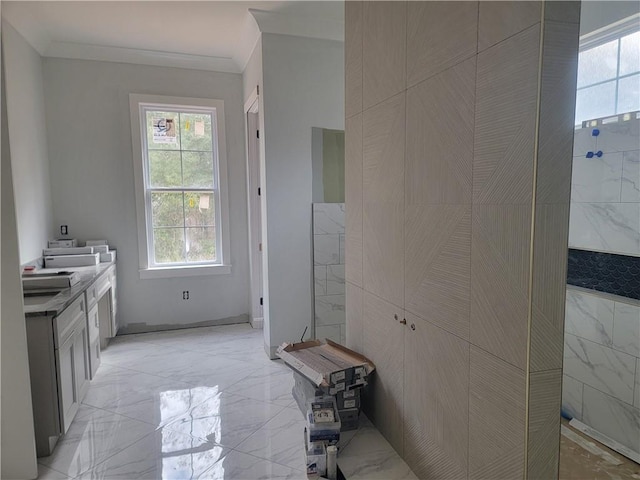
64,324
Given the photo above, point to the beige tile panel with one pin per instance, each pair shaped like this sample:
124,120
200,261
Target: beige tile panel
505,116
557,107
438,265
354,318
440,116
383,184
545,399
549,286
496,418
384,345
500,281
562,11
439,35
501,20
384,50
353,57
436,401
353,199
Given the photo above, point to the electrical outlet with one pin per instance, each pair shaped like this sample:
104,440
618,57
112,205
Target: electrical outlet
64,230
185,294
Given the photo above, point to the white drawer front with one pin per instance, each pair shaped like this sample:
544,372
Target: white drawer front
64,324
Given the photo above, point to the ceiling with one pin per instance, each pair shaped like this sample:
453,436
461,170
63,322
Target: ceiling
205,35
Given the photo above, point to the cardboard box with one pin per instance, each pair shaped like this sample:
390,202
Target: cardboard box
328,365
100,248
62,261
316,453
323,420
35,281
63,243
348,399
110,256
51,252
93,243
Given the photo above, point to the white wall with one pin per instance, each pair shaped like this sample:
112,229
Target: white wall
303,88
93,187
598,14
17,438
27,134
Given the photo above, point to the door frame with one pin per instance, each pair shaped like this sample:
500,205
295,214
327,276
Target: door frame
254,208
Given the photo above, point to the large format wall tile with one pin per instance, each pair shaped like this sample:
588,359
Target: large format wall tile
597,180
500,20
626,328
328,218
437,265
636,400
384,345
549,286
436,401
544,424
603,368
384,50
572,397
353,58
335,279
497,417
330,310
355,320
505,117
608,415
589,316
608,227
353,198
326,249
432,45
500,241
562,11
383,185
320,280
556,116
619,137
440,135
631,177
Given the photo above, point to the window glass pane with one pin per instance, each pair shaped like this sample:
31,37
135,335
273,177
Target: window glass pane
598,64
629,94
196,131
163,130
164,168
197,169
168,245
630,54
199,209
595,102
167,210
201,244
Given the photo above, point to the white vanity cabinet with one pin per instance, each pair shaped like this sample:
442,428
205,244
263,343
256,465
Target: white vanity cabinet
60,371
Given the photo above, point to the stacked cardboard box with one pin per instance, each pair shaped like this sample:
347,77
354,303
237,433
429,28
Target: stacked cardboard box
327,368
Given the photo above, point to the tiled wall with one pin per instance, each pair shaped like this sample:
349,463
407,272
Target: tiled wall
605,191
328,271
601,382
459,127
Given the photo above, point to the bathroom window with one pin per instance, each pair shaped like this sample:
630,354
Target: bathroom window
609,71
180,166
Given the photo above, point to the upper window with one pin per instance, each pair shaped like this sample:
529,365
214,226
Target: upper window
609,72
179,154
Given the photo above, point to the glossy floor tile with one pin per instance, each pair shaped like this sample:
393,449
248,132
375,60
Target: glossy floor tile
193,403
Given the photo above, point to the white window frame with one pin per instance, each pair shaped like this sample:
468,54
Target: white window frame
148,270
606,34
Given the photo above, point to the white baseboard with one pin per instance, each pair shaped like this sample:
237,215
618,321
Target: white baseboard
257,323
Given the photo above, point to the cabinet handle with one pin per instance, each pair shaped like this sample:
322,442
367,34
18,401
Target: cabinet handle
413,326
403,321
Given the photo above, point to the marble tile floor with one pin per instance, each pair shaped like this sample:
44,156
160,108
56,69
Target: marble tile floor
193,403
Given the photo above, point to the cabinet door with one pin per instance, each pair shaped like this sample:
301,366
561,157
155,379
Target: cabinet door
67,391
81,361
114,303
383,341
